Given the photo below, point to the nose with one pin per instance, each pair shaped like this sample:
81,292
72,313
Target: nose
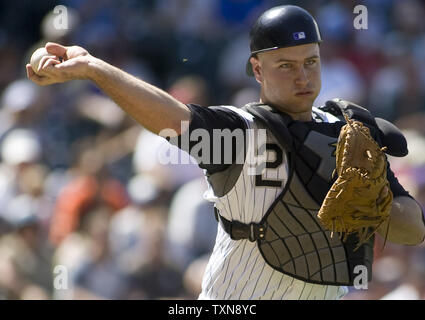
301,78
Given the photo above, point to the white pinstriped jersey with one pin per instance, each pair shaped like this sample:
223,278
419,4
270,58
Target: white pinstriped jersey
236,270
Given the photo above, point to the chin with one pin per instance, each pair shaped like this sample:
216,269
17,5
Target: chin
305,103
295,105
302,105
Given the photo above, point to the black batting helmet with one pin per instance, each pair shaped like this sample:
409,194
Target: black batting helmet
280,27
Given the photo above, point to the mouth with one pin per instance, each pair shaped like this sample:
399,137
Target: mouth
304,93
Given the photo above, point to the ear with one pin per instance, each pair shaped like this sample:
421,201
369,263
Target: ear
256,68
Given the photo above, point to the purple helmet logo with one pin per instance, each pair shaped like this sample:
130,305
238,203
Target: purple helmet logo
299,35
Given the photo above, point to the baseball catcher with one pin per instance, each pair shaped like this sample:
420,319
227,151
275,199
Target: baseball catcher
275,236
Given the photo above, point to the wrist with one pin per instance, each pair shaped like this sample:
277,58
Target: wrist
94,69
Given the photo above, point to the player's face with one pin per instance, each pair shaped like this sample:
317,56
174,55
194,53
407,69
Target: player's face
290,78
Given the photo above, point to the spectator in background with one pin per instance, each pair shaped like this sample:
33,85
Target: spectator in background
339,77
25,256
147,160
191,228
411,285
100,277
22,105
158,277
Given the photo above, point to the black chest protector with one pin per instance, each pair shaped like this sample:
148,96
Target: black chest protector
295,243
290,237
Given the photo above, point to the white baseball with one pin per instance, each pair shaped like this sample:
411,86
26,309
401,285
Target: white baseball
36,57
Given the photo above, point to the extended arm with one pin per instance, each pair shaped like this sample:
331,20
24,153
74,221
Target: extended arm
152,107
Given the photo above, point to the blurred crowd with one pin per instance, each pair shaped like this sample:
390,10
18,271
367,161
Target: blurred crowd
86,209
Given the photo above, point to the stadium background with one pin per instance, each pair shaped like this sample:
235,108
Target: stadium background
86,210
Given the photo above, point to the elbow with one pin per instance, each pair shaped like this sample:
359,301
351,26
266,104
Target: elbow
407,234
418,231
416,240
415,236
408,223
420,236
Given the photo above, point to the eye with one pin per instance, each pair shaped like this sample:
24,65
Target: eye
285,65
311,62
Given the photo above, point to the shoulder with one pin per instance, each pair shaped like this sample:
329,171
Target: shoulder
220,116
234,110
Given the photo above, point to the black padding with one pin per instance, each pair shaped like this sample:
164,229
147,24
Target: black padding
389,135
352,110
303,171
318,188
311,158
274,120
299,130
392,138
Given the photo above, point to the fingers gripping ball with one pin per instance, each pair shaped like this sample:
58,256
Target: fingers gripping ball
360,199
36,58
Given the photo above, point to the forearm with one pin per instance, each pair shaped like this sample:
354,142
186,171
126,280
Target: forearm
153,108
406,223
150,106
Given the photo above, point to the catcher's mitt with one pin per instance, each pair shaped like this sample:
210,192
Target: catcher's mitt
360,199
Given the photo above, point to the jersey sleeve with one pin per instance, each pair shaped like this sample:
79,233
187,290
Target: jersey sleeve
398,189
395,186
205,124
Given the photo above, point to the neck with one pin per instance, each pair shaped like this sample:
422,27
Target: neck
304,116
